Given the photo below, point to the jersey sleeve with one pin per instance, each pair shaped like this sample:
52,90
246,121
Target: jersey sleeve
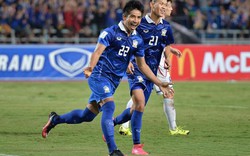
170,36
105,37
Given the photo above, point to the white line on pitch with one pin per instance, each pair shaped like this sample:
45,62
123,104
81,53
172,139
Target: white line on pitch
7,155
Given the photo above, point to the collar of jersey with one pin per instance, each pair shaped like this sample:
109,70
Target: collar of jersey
121,26
149,20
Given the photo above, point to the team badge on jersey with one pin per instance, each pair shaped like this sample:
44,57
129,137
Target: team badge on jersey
163,32
145,31
135,43
106,89
118,38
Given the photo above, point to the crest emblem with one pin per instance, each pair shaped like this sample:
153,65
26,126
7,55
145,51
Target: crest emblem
118,38
163,32
80,58
145,31
106,89
135,43
140,79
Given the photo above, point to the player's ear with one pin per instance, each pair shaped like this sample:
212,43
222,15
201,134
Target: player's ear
151,4
124,17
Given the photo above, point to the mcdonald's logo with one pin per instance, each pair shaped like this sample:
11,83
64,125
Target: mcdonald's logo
181,61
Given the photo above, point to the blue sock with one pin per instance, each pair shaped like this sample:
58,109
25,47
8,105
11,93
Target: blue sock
75,117
122,118
107,124
136,123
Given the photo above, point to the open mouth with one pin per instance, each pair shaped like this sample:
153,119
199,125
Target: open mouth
133,25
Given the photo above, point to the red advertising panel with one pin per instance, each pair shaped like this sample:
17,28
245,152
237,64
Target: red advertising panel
211,62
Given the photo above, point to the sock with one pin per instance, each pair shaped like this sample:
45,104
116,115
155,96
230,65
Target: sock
75,117
107,125
129,105
136,123
122,118
169,110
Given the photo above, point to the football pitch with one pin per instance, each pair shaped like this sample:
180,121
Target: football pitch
216,113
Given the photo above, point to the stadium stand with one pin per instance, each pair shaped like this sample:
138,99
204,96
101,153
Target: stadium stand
80,21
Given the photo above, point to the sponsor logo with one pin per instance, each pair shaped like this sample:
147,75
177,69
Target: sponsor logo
103,34
22,63
181,62
79,59
219,63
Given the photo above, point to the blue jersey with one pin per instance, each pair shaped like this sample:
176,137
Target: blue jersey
113,62
156,38
119,49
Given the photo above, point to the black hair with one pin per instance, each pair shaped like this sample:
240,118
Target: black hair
155,0
131,5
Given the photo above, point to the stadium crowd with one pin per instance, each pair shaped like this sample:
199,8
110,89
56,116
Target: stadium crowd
89,17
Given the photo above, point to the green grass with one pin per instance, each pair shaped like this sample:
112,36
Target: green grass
216,113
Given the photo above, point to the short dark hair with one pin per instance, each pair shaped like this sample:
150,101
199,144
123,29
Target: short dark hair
131,5
156,0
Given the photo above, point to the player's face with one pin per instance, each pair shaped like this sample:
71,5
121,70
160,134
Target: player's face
169,9
158,7
132,20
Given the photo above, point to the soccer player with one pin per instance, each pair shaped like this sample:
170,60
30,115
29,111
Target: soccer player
116,45
158,37
168,102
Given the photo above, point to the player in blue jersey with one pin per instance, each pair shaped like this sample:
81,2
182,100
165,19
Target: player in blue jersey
116,45
157,36
168,102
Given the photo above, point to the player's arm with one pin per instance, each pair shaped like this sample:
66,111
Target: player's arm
94,59
167,52
144,68
175,51
130,69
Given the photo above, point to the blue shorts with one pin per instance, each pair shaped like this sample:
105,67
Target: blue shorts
102,87
136,81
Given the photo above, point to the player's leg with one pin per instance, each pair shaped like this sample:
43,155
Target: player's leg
168,107
136,121
125,116
104,90
124,119
78,116
170,112
168,102
73,117
107,124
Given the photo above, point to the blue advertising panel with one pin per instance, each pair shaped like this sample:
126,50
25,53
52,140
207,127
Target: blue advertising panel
44,62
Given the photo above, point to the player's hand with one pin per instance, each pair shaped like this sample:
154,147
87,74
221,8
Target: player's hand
87,71
166,89
130,69
176,52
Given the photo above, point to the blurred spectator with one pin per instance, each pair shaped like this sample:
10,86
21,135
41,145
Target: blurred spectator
199,20
87,18
69,16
